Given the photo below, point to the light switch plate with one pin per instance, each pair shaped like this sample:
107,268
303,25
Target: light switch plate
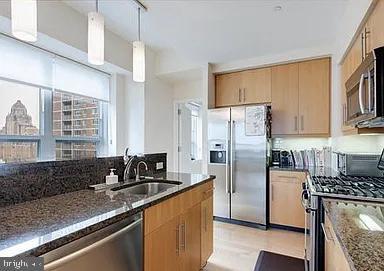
159,165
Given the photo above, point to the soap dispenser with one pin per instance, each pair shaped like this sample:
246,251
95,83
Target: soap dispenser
112,178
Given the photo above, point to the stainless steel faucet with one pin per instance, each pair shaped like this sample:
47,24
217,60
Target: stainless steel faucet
138,169
128,164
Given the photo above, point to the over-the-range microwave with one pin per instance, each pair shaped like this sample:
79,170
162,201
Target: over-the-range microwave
365,92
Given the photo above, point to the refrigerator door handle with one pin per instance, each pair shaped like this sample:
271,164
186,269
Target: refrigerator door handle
231,161
228,162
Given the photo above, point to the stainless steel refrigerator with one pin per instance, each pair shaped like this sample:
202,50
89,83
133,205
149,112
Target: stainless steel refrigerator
238,139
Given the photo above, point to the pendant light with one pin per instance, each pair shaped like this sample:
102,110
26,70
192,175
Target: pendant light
96,37
24,19
138,65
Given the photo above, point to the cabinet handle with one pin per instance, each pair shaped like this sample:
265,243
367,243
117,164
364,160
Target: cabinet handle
184,227
296,123
244,98
239,95
272,191
302,122
327,238
344,114
178,239
205,219
366,33
362,47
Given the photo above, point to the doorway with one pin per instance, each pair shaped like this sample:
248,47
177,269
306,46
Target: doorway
189,137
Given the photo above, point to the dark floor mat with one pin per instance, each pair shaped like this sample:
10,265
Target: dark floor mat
269,261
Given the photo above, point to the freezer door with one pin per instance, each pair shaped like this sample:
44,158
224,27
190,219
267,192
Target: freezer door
248,182
218,134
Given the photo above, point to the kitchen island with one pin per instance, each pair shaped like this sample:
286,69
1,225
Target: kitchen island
36,227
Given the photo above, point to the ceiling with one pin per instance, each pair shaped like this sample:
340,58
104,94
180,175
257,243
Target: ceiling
219,31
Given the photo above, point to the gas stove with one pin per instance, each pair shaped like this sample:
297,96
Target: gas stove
351,187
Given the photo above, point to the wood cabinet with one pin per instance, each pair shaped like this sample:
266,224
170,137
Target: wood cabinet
256,86
246,87
173,231
285,198
285,102
335,259
301,98
374,25
206,229
369,37
314,97
228,89
191,238
162,247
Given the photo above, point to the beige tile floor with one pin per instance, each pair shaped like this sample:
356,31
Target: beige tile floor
236,248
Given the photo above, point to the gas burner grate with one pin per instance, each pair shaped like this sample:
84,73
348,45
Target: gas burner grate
350,185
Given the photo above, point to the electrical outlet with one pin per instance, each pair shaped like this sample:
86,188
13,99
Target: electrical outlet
159,165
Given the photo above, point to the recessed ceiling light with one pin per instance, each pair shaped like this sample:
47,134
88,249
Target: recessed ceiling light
277,8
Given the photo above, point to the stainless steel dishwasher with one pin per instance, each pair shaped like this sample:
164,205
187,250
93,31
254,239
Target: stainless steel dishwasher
117,247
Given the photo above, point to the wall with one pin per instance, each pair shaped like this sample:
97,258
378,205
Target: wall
158,116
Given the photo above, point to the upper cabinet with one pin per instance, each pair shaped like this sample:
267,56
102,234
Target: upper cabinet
256,86
369,37
228,89
301,98
247,87
299,94
314,97
285,99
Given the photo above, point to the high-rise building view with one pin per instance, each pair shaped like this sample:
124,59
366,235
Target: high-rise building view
18,122
75,116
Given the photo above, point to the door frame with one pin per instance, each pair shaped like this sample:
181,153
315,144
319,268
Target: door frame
177,128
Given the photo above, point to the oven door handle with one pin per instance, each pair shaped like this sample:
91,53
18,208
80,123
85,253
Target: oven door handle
361,84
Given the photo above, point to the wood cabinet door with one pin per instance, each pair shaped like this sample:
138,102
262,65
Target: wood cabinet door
285,198
256,86
206,230
228,89
190,223
162,250
375,27
314,97
335,259
285,99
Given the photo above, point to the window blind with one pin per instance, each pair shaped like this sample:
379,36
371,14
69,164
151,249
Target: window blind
31,65
24,63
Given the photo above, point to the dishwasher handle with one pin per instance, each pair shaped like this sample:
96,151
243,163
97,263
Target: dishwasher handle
56,263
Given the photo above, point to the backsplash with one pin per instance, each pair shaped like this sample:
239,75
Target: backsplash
30,181
299,143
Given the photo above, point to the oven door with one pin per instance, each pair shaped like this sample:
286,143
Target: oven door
361,93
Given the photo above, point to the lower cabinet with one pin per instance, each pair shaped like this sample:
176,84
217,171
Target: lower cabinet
334,256
285,198
178,232
206,230
162,247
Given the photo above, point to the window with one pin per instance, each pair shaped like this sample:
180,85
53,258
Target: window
51,107
196,140
19,122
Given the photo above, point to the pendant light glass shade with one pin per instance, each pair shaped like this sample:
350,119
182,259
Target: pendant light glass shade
95,38
24,19
138,61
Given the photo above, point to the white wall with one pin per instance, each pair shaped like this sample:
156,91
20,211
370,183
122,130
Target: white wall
158,113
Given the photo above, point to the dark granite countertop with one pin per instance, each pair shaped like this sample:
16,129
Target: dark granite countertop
38,226
313,171
359,227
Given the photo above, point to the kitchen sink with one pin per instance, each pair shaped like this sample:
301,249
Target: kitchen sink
148,188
